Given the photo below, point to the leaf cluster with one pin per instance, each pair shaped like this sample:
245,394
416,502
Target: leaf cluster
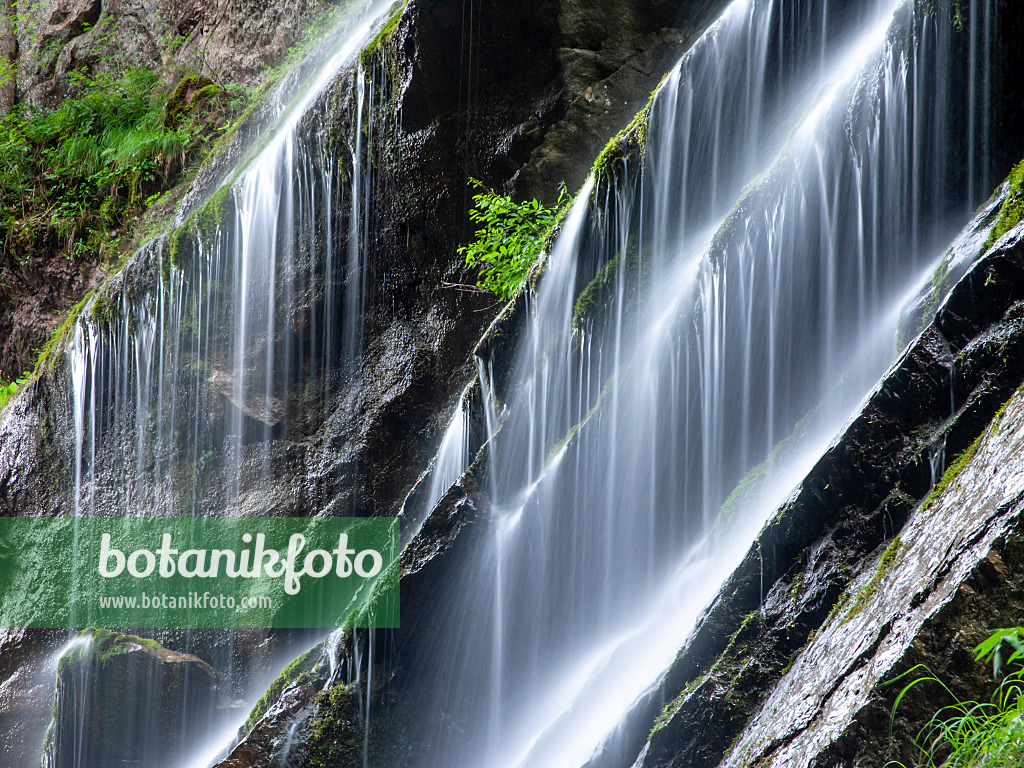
510,238
968,734
9,389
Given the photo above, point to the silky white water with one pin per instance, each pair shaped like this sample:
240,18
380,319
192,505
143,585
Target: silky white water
180,372
801,173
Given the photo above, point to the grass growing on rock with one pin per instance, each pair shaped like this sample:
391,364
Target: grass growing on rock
1012,210
969,734
79,174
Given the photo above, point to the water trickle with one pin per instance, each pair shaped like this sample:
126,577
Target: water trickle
197,351
937,459
451,460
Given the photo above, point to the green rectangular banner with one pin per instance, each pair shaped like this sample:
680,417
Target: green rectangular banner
198,572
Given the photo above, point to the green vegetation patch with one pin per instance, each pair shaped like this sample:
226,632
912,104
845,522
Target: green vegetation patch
1012,210
969,734
954,469
105,644
295,670
8,389
510,238
385,34
869,590
85,170
334,732
601,290
629,142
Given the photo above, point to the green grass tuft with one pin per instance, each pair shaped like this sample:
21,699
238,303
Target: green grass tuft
971,734
1012,210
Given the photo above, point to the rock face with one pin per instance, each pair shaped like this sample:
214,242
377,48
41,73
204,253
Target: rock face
229,41
26,693
45,45
125,701
540,87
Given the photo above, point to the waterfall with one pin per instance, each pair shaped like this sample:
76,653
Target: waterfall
183,366
193,354
744,282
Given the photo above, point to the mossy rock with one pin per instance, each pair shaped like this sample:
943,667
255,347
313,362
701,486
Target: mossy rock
1012,210
127,700
188,93
295,671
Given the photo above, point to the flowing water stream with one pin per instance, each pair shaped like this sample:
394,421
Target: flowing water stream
802,178
182,368
805,166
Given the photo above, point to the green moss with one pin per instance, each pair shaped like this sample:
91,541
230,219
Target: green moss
103,307
750,194
175,239
296,669
217,212
60,336
940,285
106,644
177,106
728,664
674,705
600,291
382,37
333,736
756,478
575,428
631,141
1012,210
950,474
868,591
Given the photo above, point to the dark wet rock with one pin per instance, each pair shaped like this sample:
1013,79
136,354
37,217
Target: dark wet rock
26,693
122,700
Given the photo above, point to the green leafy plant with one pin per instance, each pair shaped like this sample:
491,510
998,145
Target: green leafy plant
974,734
9,389
510,238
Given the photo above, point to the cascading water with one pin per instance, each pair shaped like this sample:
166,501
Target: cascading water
182,370
803,170
199,364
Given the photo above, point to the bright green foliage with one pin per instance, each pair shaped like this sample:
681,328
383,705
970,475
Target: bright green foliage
510,238
383,36
1012,210
85,168
10,389
969,734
